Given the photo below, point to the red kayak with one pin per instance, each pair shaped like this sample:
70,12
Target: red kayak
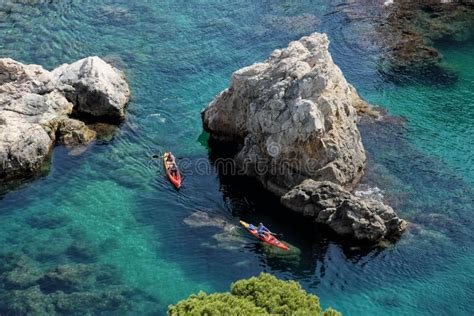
268,238
175,178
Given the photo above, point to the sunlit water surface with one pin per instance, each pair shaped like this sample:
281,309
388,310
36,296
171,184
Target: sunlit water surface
115,203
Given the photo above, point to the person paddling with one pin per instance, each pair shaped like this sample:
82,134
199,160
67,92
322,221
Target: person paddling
261,230
171,161
169,157
174,170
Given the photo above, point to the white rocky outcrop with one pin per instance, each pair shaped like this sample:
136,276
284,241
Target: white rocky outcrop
293,118
95,87
294,107
35,105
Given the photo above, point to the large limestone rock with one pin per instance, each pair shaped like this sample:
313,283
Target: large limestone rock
294,118
345,213
35,105
94,87
296,110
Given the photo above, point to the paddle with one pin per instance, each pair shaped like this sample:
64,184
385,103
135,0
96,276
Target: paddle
267,231
276,234
161,156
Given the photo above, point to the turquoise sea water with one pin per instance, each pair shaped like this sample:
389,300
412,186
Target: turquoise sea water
112,205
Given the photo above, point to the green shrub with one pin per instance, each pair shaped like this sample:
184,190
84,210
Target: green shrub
262,295
276,296
215,304
331,312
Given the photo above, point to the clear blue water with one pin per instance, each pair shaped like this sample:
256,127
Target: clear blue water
177,55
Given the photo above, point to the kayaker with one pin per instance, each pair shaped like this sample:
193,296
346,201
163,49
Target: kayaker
261,230
170,157
174,170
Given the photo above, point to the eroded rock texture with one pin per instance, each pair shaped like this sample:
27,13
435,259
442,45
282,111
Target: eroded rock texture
36,105
295,107
294,118
345,213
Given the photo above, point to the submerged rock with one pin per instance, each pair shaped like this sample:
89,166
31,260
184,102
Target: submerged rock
405,32
229,237
299,24
203,219
82,251
74,132
33,301
48,220
293,118
22,274
345,213
117,13
35,106
72,278
66,289
27,302
104,132
91,302
226,240
411,27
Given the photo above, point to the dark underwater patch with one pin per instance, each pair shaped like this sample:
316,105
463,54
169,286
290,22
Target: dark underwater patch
65,289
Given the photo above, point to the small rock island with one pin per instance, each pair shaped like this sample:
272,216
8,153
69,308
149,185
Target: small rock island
294,120
39,108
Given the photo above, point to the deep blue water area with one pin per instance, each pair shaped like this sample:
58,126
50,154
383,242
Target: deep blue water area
111,208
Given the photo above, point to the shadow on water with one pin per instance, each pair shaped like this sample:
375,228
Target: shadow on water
406,176
248,200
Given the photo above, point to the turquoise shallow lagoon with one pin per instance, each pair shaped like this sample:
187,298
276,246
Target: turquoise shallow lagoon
112,205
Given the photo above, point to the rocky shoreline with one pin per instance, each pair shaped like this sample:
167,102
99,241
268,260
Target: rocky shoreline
293,118
40,108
